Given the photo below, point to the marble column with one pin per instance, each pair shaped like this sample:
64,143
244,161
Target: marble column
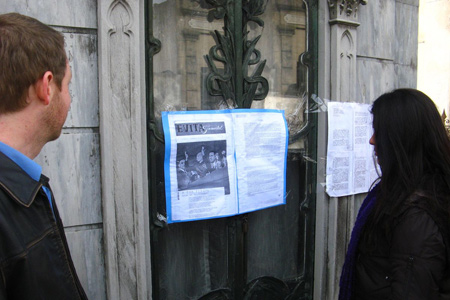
123,149
339,63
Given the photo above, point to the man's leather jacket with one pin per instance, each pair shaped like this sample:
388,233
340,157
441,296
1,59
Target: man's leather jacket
35,262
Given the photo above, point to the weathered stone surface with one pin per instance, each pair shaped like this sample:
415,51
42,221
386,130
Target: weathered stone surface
86,247
406,77
123,149
374,78
406,35
73,165
80,13
376,34
81,50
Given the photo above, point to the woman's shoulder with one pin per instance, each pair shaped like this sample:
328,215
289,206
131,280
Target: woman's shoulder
417,233
412,214
420,224
433,204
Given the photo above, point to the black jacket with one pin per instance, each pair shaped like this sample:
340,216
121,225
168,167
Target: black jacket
35,262
413,264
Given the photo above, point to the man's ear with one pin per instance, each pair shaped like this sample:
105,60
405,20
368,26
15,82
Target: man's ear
44,88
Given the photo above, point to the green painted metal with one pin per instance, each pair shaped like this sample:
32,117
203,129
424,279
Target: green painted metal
309,205
237,53
154,136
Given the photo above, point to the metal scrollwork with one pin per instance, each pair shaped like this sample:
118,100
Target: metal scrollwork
237,53
153,46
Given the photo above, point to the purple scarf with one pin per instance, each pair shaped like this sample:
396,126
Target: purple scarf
348,270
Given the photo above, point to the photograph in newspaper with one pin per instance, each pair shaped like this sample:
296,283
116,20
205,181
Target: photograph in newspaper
202,165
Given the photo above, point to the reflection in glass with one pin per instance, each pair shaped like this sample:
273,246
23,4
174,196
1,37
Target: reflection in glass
283,41
187,35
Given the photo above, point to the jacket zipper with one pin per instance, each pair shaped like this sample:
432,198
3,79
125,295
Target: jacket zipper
409,267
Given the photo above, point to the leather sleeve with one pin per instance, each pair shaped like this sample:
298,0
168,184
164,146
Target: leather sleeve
417,257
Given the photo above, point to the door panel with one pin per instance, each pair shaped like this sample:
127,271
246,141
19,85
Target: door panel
219,54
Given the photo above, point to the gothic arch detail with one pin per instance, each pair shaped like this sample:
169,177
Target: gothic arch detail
347,61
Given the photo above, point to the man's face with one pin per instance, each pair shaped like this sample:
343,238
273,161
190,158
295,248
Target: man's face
199,157
181,164
211,156
60,105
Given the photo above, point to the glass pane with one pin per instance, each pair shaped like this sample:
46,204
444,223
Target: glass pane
277,236
283,41
190,258
179,69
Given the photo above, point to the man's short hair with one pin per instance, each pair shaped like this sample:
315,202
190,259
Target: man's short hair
28,49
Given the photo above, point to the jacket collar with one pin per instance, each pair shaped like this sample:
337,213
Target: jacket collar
17,183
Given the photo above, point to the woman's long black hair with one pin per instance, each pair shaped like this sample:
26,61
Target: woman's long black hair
413,151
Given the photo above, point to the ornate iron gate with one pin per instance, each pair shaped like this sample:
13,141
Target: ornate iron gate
204,54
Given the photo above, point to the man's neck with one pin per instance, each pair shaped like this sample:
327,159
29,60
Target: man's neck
27,149
19,133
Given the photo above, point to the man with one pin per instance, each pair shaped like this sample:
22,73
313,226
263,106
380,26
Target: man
224,158
200,166
35,262
212,163
184,177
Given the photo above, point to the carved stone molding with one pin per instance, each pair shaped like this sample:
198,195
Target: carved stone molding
343,74
122,118
344,10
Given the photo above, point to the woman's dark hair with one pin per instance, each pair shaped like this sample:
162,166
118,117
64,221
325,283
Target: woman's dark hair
413,151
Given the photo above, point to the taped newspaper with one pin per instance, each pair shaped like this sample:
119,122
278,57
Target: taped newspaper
223,163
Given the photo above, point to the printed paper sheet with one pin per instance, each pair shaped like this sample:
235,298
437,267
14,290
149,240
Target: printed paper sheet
223,163
350,162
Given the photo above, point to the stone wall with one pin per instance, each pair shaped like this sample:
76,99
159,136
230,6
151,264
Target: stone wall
362,55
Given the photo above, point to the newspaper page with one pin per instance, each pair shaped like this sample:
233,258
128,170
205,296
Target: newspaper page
260,159
206,152
350,163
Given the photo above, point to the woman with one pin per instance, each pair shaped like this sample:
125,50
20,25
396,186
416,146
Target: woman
400,245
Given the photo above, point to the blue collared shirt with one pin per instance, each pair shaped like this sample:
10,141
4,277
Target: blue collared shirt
33,169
